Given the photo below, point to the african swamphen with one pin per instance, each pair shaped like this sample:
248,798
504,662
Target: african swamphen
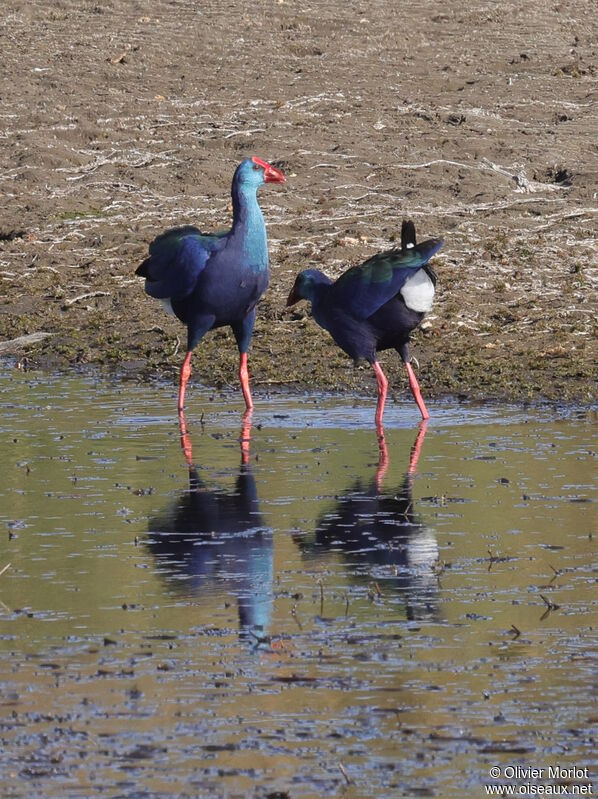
210,281
376,305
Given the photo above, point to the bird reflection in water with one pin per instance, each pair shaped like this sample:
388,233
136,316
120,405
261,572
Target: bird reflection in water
380,530
213,539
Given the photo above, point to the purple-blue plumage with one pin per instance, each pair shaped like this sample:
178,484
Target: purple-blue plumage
376,305
214,280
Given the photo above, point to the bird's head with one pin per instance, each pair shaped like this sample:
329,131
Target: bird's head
254,172
306,286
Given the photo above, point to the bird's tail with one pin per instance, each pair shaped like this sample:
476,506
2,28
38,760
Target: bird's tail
412,254
407,234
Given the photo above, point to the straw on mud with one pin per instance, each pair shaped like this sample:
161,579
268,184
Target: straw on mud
294,615
492,559
23,341
6,608
374,592
550,605
86,296
344,773
523,184
557,572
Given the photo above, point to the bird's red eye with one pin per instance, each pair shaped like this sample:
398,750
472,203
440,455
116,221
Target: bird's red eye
256,167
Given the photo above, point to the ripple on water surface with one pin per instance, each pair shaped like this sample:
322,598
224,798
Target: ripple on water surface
302,614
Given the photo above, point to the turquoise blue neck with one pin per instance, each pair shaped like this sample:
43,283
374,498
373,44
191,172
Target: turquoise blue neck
249,227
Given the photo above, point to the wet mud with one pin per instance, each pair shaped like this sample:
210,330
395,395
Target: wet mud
477,122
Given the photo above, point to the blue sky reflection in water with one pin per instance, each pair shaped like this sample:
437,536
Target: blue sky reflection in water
206,626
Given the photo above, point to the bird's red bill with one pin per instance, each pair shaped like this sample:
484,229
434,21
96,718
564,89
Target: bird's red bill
271,173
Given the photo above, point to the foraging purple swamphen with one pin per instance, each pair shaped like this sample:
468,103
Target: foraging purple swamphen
376,305
211,281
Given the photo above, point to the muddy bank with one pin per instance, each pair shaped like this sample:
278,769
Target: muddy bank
477,123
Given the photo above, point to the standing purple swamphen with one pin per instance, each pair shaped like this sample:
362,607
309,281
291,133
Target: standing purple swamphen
210,281
376,305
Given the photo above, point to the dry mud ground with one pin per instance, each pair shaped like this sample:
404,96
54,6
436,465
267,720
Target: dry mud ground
478,120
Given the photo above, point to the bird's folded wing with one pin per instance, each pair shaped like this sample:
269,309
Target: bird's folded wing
176,260
363,289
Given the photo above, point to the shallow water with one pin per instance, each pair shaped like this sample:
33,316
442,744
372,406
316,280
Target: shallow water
316,622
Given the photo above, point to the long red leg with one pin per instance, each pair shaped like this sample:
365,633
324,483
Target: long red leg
382,391
244,378
185,372
417,395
